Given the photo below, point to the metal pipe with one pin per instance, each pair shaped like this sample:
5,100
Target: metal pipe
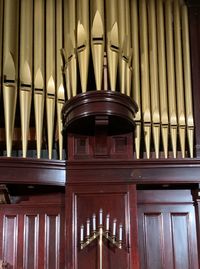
145,75
187,79
171,75
39,72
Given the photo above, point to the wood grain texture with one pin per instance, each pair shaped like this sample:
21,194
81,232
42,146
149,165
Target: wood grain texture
167,230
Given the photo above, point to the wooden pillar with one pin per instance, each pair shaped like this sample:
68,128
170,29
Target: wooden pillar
100,130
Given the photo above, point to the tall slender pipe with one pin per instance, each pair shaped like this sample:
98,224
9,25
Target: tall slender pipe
50,72
39,72
145,75
162,76
171,75
83,44
153,60
187,79
97,39
10,67
179,76
112,32
136,94
59,84
26,41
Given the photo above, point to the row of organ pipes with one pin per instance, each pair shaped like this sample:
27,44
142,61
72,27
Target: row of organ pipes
46,48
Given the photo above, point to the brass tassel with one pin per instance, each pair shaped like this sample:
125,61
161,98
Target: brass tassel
10,67
59,84
97,40
171,76
179,76
145,75
136,74
39,71
153,59
25,69
112,41
50,72
83,46
162,77
187,79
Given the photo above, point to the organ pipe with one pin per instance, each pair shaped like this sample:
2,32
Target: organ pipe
143,44
83,45
123,41
145,75
162,76
39,72
187,79
171,75
70,43
136,95
129,49
179,76
59,82
153,60
26,41
112,31
97,39
50,72
10,67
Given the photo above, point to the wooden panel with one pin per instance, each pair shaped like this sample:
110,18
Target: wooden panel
32,233
82,202
167,230
180,240
10,238
154,255
31,237
52,241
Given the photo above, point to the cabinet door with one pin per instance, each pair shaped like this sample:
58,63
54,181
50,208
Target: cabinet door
32,235
167,230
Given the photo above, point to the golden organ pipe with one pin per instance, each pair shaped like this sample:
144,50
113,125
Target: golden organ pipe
136,74
97,39
112,41
129,49
162,76
145,75
39,71
123,42
179,75
59,84
171,75
187,79
50,72
65,73
60,103
25,69
10,67
153,60
83,45
70,43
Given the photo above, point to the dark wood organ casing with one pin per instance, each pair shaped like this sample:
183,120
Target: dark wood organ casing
157,201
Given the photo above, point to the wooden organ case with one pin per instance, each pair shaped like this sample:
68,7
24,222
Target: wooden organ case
123,111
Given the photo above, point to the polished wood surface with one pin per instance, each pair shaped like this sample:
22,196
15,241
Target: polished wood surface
167,229
32,232
117,200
